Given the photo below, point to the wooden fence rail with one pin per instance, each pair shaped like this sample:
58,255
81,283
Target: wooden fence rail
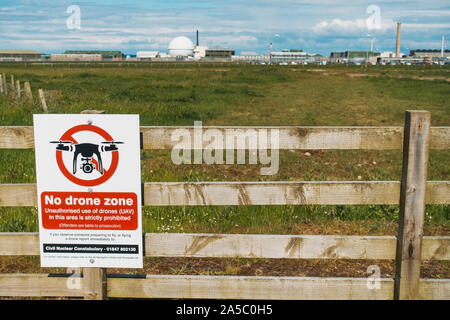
408,248
290,138
254,246
254,193
216,287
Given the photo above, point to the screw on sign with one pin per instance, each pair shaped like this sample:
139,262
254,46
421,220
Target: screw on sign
87,151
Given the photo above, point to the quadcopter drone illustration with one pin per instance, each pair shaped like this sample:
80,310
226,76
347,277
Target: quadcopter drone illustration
87,151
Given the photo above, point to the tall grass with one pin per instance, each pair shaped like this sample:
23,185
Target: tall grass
231,94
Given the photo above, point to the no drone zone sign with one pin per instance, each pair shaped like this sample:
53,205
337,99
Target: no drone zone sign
89,190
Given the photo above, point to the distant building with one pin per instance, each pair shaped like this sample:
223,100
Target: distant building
106,55
387,54
354,56
428,53
200,52
75,57
147,55
337,57
181,47
297,56
219,53
20,55
289,57
250,56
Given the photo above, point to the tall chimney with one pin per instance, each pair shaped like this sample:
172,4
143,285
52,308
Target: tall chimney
197,38
397,45
442,46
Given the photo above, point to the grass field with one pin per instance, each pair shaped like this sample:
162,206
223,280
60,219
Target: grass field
232,94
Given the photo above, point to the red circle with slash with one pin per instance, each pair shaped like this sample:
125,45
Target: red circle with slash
68,135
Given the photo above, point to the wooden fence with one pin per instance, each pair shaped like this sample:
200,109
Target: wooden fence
14,91
408,249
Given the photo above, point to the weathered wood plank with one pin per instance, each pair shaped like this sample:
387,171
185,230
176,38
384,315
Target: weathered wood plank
94,283
243,287
254,246
38,285
435,248
284,193
268,193
219,287
310,138
434,289
267,288
13,91
19,243
412,204
286,246
42,99
5,87
18,89
16,137
439,138
270,246
18,195
254,193
347,138
27,91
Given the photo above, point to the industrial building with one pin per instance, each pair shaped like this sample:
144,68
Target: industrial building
288,57
147,55
219,53
354,57
429,53
181,47
106,55
76,57
200,52
296,57
252,57
20,55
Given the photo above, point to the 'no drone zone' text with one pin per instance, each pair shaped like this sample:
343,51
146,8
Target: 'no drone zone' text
208,145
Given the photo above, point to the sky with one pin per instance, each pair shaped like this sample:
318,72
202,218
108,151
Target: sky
320,26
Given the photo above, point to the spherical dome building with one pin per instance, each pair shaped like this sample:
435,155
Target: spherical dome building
181,46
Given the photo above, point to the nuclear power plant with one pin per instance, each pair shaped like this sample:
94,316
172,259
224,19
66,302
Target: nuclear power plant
182,48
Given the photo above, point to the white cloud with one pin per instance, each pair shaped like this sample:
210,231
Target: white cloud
350,27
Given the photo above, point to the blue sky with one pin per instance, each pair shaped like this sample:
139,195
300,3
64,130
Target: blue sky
319,26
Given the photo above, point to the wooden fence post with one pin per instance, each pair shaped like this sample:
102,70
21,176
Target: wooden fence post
12,86
5,89
42,98
27,91
94,283
18,88
1,84
412,205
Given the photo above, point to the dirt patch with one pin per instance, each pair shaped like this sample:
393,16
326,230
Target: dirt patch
358,75
243,267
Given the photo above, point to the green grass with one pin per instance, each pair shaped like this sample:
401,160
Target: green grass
231,94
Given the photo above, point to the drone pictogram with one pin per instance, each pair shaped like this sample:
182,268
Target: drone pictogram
91,155
87,151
